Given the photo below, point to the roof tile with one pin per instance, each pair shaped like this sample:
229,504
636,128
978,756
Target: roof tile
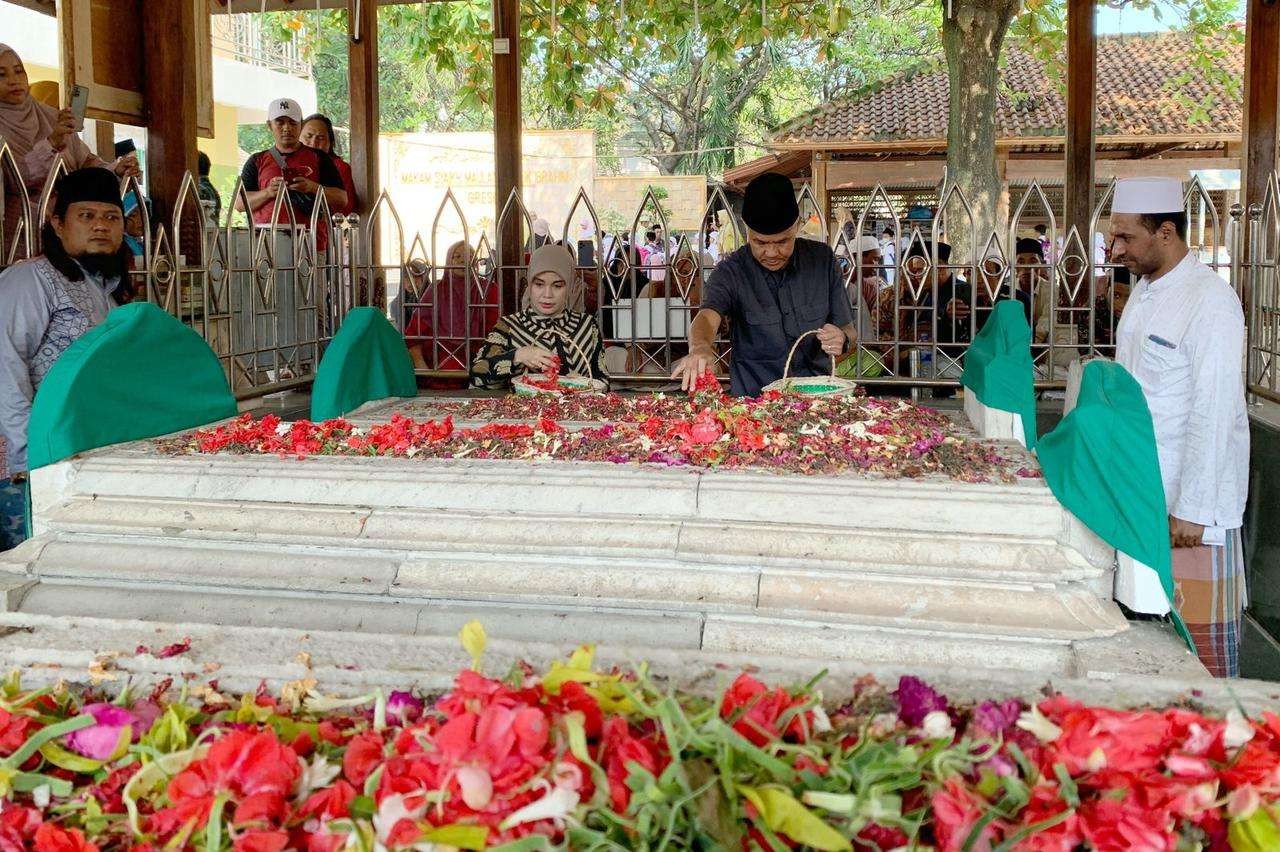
1134,98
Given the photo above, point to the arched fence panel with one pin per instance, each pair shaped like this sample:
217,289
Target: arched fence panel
267,288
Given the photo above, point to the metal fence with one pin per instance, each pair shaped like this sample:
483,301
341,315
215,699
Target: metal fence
268,297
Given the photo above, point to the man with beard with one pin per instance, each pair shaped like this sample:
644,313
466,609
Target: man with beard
49,302
1182,336
773,290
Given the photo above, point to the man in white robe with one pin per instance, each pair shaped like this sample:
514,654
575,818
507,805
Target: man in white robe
1182,336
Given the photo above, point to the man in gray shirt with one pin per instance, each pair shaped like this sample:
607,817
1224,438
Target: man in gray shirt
49,302
772,290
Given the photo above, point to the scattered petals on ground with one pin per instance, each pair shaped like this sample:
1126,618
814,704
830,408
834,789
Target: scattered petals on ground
580,758
782,433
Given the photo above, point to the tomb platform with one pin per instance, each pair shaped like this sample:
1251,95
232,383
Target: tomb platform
793,571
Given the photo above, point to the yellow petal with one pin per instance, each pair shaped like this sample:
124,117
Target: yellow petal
474,641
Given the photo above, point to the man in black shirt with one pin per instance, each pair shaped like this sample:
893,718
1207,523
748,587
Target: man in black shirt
772,290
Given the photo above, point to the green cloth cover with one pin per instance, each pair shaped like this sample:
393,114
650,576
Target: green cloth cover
139,374
366,360
998,369
1101,464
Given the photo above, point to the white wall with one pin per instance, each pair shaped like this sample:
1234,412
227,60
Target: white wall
33,35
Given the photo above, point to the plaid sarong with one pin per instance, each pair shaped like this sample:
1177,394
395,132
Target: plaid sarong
1209,592
13,514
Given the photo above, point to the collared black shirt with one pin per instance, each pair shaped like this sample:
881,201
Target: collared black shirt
768,311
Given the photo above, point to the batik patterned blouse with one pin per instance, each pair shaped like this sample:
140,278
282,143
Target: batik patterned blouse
573,336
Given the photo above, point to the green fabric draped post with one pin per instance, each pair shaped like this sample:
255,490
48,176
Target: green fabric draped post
1101,464
139,374
366,360
998,368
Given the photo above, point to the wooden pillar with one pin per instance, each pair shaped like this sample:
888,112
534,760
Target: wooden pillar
818,185
1261,97
169,91
362,57
1081,97
104,133
507,121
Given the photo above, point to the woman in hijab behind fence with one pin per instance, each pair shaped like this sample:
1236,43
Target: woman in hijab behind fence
552,323
39,135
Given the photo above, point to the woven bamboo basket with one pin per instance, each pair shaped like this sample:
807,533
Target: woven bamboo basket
572,383
831,385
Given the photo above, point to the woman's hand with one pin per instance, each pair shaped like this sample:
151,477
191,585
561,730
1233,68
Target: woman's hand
534,357
63,126
127,167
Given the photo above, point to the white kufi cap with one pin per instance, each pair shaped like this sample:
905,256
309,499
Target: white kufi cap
866,244
1147,195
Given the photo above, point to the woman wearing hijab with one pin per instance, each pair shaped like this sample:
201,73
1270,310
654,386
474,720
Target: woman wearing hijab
551,324
317,132
40,135
448,317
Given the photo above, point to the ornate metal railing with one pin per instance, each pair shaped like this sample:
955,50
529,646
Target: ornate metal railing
268,298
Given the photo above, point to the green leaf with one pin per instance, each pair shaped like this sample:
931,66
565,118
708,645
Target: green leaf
461,836
1068,790
363,807
783,814
46,734
1258,833
70,761
213,830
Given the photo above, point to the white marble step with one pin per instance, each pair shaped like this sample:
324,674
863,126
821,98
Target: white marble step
508,536
1136,670
782,634
843,593
1026,509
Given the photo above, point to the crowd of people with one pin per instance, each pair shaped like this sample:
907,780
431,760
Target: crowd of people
1175,325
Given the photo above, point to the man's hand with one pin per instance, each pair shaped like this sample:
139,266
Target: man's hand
833,340
958,309
1184,533
273,186
304,185
693,365
127,167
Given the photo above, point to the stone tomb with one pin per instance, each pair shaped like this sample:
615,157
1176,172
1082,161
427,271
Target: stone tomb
925,572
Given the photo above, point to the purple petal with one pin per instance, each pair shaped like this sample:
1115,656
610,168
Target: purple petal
404,707
916,699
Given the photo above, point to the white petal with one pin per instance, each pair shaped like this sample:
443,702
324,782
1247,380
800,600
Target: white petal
555,805
1239,731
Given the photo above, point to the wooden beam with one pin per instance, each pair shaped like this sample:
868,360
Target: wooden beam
169,92
867,173
1049,172
48,7
1261,97
507,122
362,69
1082,63
239,7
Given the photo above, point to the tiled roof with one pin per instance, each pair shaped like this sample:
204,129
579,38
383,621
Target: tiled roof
1134,99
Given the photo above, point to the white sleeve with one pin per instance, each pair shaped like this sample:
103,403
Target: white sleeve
24,317
1211,491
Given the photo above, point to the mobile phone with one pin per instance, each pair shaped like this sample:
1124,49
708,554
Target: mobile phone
79,103
125,147
291,174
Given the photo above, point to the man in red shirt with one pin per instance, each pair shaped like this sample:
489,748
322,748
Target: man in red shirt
304,171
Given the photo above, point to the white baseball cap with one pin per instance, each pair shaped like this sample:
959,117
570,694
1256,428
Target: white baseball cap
284,108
